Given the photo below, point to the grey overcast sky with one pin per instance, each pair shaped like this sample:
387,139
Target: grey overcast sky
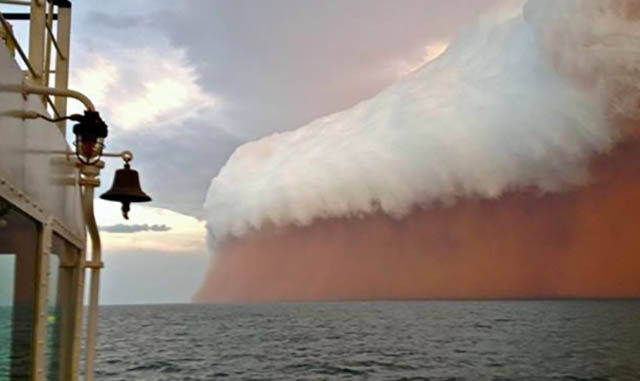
183,83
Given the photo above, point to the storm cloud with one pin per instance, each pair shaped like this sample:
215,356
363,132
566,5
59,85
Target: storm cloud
503,168
269,66
523,99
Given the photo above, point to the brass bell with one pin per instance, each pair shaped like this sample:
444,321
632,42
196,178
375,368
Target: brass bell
126,189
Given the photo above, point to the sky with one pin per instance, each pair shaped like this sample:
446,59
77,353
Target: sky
183,84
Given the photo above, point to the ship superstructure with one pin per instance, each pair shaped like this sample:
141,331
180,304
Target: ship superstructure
46,201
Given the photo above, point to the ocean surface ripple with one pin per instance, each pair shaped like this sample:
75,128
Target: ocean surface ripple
431,340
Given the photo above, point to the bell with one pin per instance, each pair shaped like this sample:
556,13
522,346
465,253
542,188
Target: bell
126,189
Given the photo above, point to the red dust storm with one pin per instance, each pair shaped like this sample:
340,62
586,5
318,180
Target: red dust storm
580,242
583,242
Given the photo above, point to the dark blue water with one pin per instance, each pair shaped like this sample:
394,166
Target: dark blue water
565,340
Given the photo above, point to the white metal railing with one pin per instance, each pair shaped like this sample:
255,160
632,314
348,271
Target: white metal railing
15,2
88,180
38,58
8,30
47,43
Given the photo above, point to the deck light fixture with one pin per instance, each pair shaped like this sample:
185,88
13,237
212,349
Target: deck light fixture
90,132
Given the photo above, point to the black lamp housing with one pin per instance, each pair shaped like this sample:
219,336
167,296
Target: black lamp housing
90,132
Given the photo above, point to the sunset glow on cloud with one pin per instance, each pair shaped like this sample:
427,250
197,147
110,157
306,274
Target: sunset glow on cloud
144,88
185,233
430,52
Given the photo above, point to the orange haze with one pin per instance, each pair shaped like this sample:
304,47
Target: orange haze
583,242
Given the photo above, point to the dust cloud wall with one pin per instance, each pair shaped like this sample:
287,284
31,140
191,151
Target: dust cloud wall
509,167
580,243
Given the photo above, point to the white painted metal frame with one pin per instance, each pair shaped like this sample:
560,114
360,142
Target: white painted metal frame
48,225
38,65
21,201
39,56
88,180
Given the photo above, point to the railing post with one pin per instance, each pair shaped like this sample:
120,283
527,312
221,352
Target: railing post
89,181
63,37
46,68
36,39
40,311
78,315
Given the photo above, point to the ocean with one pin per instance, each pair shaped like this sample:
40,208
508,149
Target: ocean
422,340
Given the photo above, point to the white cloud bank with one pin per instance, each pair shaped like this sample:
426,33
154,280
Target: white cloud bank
521,99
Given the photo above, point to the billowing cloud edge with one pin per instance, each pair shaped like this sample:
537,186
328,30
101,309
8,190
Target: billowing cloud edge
522,99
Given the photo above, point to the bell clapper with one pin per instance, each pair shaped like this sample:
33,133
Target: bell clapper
125,210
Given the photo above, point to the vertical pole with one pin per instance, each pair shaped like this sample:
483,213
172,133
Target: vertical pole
46,68
40,311
78,314
92,327
89,181
36,39
63,36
